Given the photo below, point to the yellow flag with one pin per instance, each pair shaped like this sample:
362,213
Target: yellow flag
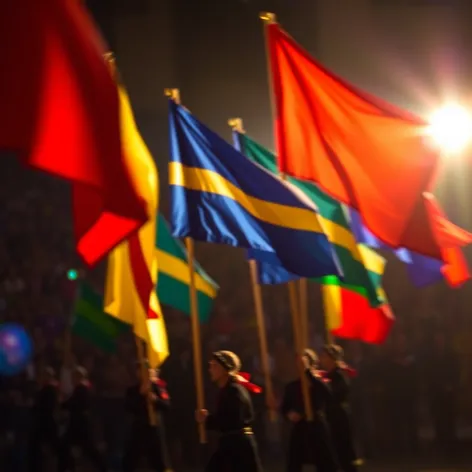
132,266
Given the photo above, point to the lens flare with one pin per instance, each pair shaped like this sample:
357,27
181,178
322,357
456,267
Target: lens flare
451,128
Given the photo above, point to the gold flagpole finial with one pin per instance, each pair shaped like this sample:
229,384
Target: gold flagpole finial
236,124
173,94
268,17
109,58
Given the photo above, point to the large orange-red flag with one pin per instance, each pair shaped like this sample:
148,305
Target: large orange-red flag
363,151
59,112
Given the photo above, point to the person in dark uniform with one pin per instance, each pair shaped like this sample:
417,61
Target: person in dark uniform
237,448
44,427
337,408
79,430
146,401
310,442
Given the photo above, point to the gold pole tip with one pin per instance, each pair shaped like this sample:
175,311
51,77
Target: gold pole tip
236,124
109,59
171,92
109,56
268,17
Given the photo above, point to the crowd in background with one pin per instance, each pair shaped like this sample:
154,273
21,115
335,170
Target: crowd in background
414,389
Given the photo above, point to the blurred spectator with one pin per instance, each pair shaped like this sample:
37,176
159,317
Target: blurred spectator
442,382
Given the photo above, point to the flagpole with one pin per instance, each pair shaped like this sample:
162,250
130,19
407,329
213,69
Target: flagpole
329,335
174,94
297,334
269,19
304,325
144,376
237,125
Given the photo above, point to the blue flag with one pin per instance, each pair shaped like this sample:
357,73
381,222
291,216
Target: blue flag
422,270
270,271
219,196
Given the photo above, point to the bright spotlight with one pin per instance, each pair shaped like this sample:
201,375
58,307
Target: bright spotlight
451,128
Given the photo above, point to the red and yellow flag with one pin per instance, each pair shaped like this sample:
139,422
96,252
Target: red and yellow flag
132,267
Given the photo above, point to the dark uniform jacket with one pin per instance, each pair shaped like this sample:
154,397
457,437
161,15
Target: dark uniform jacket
310,442
78,405
146,439
45,406
338,415
137,404
237,449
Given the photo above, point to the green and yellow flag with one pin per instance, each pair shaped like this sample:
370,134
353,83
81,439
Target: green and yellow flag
174,278
93,324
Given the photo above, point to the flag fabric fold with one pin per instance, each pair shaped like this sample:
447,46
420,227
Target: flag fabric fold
335,221
60,114
422,270
347,310
93,324
219,196
130,293
174,278
366,153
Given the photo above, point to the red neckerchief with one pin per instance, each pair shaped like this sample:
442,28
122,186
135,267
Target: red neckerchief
242,378
86,383
160,383
349,371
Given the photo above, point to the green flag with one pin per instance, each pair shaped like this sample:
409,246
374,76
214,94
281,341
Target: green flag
174,278
92,324
335,222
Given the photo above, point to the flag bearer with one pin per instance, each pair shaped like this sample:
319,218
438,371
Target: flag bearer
310,442
147,431
44,425
233,417
79,429
338,408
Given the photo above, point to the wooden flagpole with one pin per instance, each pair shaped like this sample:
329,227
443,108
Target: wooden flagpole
237,125
174,94
297,334
144,369
304,325
269,19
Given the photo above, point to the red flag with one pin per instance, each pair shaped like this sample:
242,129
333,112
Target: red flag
349,314
362,150
243,378
60,113
429,227
361,321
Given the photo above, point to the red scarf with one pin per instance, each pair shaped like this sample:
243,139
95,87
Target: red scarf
243,379
86,383
349,371
160,383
